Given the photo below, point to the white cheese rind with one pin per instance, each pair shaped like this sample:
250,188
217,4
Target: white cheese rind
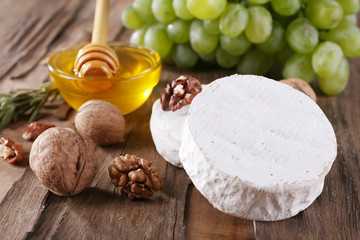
256,148
166,130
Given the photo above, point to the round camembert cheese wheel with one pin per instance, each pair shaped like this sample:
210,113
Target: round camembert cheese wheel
166,130
257,148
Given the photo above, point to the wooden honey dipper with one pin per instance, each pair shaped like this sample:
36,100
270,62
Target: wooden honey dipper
97,59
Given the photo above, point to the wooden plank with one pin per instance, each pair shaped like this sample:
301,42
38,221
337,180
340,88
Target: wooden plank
23,42
19,213
203,221
29,211
11,15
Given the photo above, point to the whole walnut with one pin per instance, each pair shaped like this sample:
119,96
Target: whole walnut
101,122
63,161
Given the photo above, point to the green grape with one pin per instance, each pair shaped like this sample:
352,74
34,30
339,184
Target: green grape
131,19
299,66
181,10
206,9
163,10
284,20
255,62
157,39
143,8
184,56
326,59
302,36
350,6
202,41
336,84
276,41
234,19
286,7
235,46
284,54
212,26
259,25
258,1
349,19
138,36
348,37
179,30
208,57
324,14
225,59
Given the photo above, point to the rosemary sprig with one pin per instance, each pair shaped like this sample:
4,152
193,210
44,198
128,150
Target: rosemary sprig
25,101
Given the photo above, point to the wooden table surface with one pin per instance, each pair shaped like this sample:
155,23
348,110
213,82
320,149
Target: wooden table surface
29,32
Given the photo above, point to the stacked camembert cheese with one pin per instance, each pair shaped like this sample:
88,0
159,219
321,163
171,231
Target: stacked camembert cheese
166,130
256,148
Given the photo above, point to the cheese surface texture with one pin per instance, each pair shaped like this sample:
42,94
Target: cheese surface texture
257,148
166,130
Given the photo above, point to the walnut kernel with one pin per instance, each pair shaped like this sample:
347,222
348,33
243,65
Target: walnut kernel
180,92
34,129
6,152
136,176
10,151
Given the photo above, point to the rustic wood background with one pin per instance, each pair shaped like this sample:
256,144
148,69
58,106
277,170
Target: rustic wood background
29,32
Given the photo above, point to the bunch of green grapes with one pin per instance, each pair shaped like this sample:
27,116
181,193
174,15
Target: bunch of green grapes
309,38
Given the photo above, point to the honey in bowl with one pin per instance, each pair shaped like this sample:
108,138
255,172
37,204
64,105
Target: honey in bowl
128,89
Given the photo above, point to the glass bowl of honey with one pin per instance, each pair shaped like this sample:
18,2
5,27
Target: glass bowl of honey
128,89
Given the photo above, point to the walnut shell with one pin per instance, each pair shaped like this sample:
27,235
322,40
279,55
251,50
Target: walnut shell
100,121
63,161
